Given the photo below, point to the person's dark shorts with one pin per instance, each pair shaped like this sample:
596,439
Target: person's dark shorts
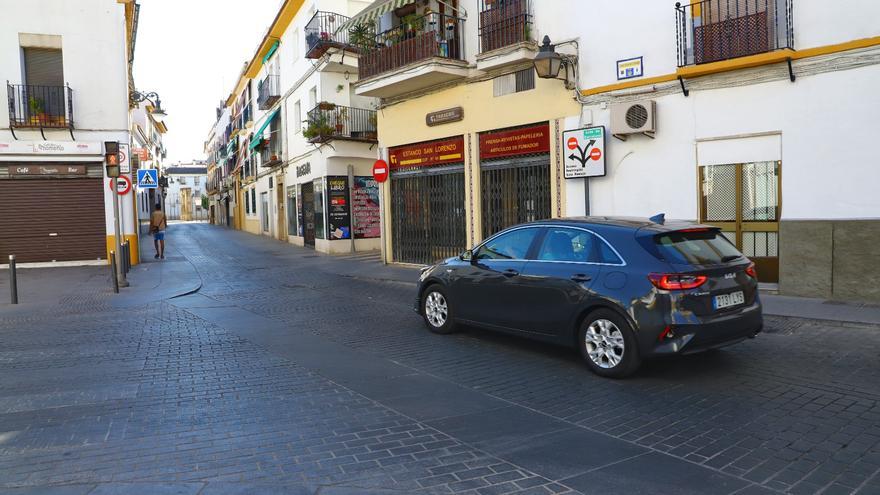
159,235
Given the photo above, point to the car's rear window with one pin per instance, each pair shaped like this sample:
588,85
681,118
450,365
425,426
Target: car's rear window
702,247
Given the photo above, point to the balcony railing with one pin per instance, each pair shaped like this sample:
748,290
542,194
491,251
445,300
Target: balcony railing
321,33
269,91
504,23
713,30
422,38
40,106
328,121
270,154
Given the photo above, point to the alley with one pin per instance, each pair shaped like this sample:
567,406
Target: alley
289,371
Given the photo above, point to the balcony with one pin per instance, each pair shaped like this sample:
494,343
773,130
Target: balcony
321,34
420,53
269,91
43,107
716,30
270,154
328,121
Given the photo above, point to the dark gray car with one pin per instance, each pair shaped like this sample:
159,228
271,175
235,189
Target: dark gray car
619,289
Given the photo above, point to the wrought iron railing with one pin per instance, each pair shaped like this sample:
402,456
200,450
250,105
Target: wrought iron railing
504,23
324,31
419,38
328,121
269,91
713,30
40,106
270,154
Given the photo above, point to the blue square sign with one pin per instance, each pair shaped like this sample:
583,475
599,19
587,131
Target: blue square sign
148,178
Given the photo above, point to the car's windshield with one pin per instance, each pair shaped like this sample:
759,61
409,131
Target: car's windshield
696,247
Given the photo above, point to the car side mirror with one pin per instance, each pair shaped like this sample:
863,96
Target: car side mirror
466,255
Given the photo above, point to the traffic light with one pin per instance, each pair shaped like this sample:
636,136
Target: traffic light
111,157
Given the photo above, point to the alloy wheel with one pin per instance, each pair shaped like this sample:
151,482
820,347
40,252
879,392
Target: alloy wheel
605,344
436,310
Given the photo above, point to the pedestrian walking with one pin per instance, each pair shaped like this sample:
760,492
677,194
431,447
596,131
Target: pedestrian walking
158,224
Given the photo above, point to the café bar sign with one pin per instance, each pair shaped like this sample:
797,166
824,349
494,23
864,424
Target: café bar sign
47,170
50,148
521,141
429,154
454,114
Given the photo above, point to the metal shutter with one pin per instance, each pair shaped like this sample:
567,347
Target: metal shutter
32,209
43,67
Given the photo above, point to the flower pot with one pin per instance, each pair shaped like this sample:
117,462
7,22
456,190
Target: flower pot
339,127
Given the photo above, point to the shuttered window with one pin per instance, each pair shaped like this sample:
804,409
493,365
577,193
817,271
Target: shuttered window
43,67
522,80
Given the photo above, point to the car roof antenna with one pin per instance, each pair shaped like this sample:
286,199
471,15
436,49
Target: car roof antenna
658,218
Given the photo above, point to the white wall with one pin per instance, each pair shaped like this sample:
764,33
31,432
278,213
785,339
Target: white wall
828,150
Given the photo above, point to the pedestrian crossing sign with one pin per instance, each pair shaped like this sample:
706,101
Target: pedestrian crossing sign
148,178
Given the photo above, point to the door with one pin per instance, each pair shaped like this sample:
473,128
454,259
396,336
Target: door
52,220
514,192
558,282
489,290
308,207
743,199
264,211
280,200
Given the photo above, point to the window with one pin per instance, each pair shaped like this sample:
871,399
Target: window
196,180
511,245
313,97
254,201
264,213
291,211
319,209
43,67
297,117
514,82
247,203
706,247
577,246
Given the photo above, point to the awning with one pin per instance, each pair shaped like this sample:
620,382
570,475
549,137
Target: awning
373,12
258,136
271,51
230,146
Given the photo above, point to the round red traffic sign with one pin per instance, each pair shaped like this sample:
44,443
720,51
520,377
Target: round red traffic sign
595,154
123,185
380,171
572,143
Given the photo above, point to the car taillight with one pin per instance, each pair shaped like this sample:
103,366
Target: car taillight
752,271
676,281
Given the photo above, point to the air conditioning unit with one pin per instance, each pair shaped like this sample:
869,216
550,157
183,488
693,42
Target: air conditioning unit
634,118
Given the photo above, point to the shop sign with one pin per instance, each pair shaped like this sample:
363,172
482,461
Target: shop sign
629,68
522,141
51,147
365,208
338,214
430,154
304,169
142,153
584,152
47,170
444,116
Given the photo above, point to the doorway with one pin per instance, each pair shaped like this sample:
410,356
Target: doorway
281,217
743,199
308,208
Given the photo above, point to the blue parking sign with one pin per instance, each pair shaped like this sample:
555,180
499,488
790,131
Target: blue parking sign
148,178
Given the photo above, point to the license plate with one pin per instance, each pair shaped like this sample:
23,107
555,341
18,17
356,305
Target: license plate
728,300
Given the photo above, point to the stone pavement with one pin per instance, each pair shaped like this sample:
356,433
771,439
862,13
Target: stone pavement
285,371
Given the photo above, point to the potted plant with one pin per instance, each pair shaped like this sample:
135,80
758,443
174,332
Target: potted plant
37,109
318,127
326,105
361,36
341,117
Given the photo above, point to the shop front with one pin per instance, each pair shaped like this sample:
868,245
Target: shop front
336,212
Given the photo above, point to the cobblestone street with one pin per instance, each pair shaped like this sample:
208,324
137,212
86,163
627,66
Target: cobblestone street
293,372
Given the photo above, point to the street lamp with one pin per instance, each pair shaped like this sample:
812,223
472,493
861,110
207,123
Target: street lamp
137,97
547,61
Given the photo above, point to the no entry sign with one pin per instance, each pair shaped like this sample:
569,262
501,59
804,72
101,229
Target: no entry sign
380,171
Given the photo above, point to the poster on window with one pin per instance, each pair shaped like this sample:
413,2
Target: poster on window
338,211
299,211
365,208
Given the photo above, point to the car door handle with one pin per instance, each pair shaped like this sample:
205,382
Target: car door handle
580,277
510,272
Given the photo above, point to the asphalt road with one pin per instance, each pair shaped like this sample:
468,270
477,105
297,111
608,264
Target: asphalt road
293,372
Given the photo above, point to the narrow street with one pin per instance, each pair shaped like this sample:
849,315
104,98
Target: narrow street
289,371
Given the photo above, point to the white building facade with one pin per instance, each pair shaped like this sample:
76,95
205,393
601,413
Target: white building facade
68,93
186,196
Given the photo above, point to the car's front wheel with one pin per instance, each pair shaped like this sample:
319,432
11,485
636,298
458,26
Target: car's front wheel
608,344
437,311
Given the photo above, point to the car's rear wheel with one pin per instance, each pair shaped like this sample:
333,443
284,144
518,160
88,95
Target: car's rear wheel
608,344
437,311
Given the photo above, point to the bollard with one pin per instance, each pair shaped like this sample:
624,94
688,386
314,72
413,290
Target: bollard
126,260
13,280
113,267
